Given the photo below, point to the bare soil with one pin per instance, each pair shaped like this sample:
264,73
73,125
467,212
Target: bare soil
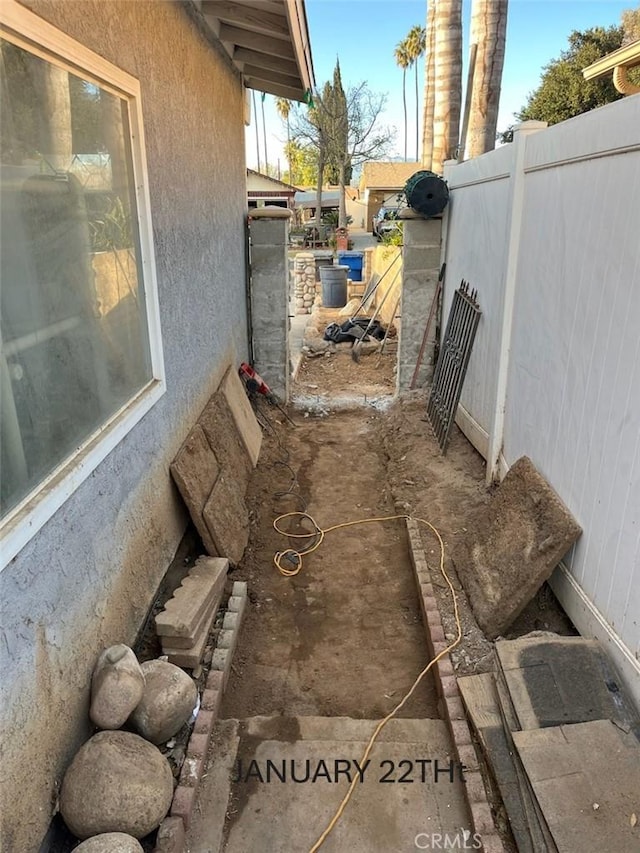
343,637
369,370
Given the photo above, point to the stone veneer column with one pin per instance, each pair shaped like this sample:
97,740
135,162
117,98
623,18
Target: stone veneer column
304,282
420,270
269,239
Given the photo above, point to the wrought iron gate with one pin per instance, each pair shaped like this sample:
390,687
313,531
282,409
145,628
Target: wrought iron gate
452,362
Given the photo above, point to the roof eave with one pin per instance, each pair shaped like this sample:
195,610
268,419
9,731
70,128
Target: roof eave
267,42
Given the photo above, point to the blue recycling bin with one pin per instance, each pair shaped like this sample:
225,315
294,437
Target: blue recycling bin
353,260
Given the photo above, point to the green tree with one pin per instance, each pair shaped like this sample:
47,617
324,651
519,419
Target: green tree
416,43
283,107
344,128
303,162
401,55
563,91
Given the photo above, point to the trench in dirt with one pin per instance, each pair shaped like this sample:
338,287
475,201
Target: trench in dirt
344,636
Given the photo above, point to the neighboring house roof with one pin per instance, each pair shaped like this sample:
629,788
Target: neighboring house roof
330,198
386,175
257,182
618,62
267,42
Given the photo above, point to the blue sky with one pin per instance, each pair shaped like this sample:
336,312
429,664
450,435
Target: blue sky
364,33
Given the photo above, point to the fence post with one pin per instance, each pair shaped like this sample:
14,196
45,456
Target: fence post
269,234
496,433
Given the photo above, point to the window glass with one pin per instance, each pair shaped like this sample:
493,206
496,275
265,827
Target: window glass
74,339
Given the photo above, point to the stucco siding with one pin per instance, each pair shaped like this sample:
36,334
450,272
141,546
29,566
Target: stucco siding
88,577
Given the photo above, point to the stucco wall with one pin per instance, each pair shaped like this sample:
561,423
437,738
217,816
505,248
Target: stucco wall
87,578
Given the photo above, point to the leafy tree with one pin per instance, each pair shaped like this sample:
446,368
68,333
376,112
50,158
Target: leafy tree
303,163
345,131
283,106
563,91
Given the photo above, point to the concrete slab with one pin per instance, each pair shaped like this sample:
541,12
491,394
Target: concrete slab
193,598
586,778
512,546
227,518
219,426
289,816
243,415
554,681
195,471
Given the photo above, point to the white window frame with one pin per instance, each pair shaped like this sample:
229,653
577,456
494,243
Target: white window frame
35,35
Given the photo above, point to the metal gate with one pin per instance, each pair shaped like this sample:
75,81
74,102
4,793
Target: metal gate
452,362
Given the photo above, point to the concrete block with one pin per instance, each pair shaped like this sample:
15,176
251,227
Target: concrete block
236,604
195,471
248,427
204,722
226,639
240,589
512,546
188,658
189,642
194,598
271,232
422,232
230,622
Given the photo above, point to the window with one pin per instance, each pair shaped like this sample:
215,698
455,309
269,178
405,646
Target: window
80,356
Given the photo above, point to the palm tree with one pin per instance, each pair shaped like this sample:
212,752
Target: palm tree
429,86
416,42
255,118
488,32
264,135
401,54
284,109
448,81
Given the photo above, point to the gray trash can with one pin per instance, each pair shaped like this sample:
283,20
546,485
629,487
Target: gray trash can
334,286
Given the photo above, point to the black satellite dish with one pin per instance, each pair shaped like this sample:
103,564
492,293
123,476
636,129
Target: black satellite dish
427,193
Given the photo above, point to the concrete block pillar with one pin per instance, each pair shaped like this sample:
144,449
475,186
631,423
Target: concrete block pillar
420,270
269,269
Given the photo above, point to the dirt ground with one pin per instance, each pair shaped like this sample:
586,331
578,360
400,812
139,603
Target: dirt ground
335,370
343,637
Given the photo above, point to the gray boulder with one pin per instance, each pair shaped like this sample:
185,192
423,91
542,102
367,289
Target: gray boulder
117,782
110,842
116,687
167,702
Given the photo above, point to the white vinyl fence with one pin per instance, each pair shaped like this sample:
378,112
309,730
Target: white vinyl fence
548,231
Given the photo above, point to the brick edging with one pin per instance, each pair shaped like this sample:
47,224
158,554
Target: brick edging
447,687
172,831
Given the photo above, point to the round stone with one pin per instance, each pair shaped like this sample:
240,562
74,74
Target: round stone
167,703
117,684
110,842
117,782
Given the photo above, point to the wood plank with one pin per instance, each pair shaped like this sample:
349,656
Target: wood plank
257,41
540,833
264,60
586,778
480,699
254,19
263,84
